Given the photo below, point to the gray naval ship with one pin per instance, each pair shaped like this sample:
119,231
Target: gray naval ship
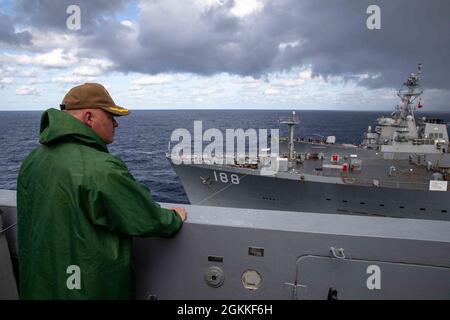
400,169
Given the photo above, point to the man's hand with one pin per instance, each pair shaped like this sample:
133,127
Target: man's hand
181,212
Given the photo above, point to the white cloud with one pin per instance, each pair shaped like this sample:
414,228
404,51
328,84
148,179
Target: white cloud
37,80
245,7
296,82
56,58
139,86
53,40
139,93
127,23
9,71
92,67
206,92
28,91
70,79
290,82
152,80
282,46
305,74
4,81
87,71
248,80
27,74
271,91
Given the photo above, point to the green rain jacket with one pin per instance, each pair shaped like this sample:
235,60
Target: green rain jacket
78,208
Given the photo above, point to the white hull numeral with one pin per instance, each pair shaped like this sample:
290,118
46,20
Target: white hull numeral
225,178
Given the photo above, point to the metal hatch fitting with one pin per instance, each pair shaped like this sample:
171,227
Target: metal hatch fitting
214,276
251,279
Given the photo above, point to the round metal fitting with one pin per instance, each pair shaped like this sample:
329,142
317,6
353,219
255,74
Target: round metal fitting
251,279
214,276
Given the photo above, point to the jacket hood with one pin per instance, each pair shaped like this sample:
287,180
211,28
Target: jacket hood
58,126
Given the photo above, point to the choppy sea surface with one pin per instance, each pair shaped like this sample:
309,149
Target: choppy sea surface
142,138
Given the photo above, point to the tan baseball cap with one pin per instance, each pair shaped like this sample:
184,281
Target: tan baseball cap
91,96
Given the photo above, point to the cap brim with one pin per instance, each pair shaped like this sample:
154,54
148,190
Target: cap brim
117,111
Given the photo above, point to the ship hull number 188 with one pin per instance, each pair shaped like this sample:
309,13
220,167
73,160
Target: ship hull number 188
225,178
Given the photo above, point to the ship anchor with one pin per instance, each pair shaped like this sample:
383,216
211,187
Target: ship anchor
206,181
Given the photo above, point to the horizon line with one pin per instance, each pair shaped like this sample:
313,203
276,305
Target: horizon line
244,109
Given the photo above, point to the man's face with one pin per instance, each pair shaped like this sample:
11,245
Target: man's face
104,124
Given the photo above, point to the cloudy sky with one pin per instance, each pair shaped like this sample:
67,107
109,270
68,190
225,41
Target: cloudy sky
229,54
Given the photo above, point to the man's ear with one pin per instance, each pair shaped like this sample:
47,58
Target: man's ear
87,118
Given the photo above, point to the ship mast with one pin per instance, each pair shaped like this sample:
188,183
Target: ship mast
409,95
291,122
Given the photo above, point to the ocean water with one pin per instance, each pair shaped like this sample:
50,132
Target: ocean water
142,138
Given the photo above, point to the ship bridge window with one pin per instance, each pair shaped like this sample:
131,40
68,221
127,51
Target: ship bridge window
444,211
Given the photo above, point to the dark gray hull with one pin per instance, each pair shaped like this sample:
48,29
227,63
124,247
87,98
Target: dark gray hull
265,192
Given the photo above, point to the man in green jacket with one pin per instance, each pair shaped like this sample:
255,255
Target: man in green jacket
79,206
